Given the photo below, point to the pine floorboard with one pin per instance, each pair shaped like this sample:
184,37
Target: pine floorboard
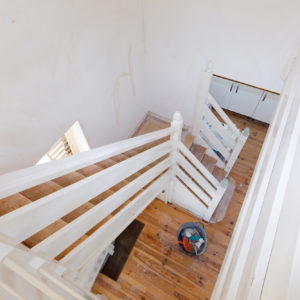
156,268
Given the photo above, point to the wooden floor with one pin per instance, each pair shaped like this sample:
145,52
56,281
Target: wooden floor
156,268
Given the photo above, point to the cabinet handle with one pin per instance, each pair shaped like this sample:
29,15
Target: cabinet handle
231,87
264,98
237,88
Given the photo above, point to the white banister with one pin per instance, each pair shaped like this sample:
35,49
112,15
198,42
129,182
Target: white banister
213,129
44,212
255,265
20,180
241,140
61,239
203,91
222,114
171,167
199,166
176,125
100,240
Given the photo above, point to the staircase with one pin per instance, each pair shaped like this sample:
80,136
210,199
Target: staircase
154,122
59,219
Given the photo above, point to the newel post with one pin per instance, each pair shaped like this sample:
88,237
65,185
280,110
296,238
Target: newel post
176,124
201,97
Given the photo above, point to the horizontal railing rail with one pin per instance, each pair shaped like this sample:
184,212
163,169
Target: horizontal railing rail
55,287
200,182
98,241
44,211
214,130
61,239
20,180
156,165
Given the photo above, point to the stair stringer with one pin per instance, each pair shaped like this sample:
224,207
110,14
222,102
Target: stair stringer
185,199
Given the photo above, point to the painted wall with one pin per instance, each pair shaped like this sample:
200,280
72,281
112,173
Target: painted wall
105,62
62,61
249,41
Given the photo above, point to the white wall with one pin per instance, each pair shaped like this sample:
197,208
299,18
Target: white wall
63,60
59,62
249,41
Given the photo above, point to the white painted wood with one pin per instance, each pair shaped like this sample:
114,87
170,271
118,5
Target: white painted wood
17,181
271,208
227,139
61,239
40,283
284,258
205,81
7,293
200,141
237,149
176,125
293,291
222,114
31,278
89,273
266,107
27,220
186,200
76,139
189,182
210,190
100,239
216,199
222,90
214,141
254,216
195,161
245,99
71,290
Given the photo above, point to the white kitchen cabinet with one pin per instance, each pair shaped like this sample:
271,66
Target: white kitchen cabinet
221,89
266,107
244,100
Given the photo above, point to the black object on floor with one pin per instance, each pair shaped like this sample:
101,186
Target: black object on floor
123,246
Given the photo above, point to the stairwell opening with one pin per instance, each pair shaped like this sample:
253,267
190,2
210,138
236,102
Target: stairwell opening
72,142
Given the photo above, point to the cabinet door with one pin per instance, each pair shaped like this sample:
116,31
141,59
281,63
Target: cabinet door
221,89
266,107
245,99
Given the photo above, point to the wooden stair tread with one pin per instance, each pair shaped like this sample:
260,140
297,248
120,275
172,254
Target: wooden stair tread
151,124
12,203
44,233
41,190
223,205
198,151
68,179
90,170
74,214
219,173
209,162
188,141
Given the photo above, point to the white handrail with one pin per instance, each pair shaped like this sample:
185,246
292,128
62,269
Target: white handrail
61,239
258,221
222,114
44,212
100,240
224,144
20,180
172,162
195,161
